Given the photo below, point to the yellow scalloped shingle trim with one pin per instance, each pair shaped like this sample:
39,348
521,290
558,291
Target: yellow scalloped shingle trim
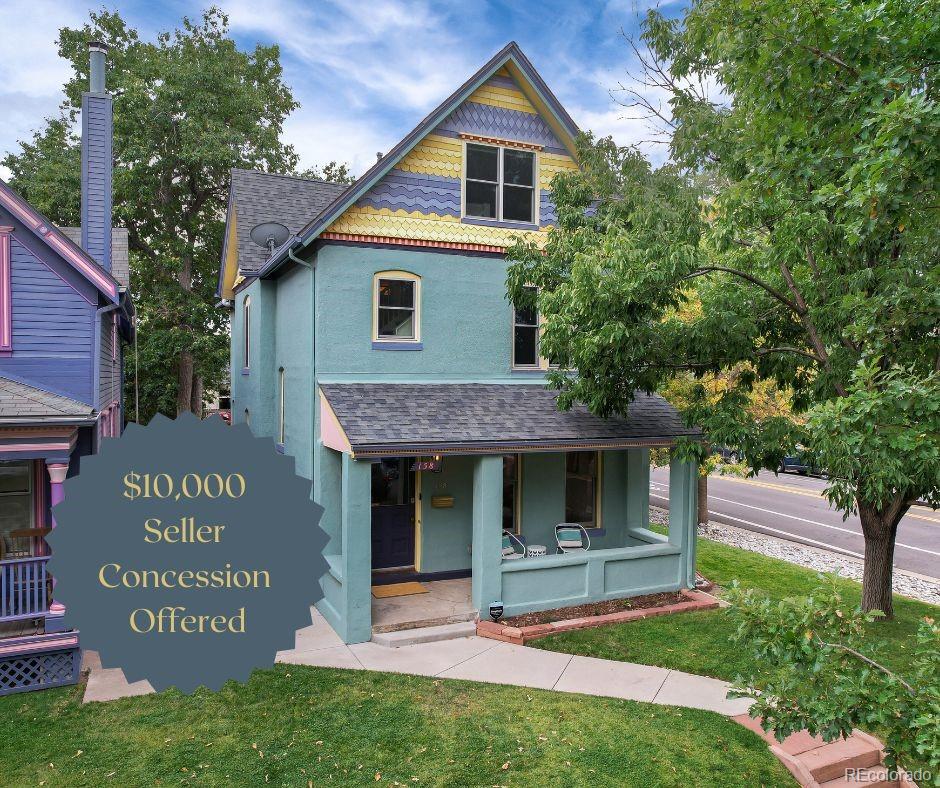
498,96
550,165
430,227
434,155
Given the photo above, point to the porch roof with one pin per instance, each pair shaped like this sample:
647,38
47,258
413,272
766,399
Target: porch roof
23,404
455,418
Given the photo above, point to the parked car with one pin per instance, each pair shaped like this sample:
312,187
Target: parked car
727,454
800,463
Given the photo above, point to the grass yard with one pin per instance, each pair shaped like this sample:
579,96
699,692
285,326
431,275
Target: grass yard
306,727
699,642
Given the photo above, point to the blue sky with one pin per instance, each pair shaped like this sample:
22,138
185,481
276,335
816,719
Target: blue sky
364,72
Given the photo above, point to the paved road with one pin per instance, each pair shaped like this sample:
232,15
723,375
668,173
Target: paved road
792,507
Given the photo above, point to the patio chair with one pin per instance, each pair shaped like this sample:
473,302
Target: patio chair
510,540
572,538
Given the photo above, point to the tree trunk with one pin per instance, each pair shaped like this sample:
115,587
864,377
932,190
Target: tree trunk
702,499
880,528
196,403
184,388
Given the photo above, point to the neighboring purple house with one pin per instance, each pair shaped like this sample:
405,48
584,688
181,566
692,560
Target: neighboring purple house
65,313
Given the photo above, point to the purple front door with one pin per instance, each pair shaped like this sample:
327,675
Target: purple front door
393,514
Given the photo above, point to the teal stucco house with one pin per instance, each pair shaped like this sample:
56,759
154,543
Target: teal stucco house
372,338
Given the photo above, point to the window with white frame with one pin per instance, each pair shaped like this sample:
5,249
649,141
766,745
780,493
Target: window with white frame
246,332
525,334
396,311
280,406
499,183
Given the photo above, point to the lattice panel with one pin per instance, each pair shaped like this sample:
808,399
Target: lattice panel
38,671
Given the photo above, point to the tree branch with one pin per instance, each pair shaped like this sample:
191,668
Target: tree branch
753,279
768,351
871,662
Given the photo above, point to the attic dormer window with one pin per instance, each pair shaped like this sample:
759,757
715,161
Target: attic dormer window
500,183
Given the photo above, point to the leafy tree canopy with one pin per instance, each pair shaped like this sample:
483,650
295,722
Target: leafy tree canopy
188,107
799,209
332,171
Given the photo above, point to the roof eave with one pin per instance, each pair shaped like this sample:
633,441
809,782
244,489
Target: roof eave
522,447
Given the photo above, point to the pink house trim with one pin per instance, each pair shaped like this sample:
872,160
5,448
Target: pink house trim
6,309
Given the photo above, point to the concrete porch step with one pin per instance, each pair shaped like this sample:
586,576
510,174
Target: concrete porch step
832,761
431,634
877,777
424,623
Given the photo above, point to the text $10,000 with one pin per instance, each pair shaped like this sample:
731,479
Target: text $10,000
190,485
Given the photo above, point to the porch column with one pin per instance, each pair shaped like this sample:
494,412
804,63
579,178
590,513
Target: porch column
487,580
638,489
57,473
356,527
683,515
55,617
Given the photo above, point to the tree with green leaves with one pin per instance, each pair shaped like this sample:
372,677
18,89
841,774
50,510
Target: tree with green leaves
188,107
819,672
332,171
799,211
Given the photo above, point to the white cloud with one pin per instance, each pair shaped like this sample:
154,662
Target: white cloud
33,72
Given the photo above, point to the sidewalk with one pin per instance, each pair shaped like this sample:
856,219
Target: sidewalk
478,659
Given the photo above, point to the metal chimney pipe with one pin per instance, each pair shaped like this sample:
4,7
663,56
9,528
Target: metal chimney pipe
97,66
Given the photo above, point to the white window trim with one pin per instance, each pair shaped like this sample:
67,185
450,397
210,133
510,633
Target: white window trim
400,276
536,200
246,332
542,364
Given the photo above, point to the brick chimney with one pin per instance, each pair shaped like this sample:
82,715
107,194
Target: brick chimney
96,159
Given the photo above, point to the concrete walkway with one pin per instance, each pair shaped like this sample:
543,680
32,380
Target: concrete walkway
477,659
489,661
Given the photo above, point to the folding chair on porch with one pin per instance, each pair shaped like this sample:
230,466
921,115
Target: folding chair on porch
510,540
572,538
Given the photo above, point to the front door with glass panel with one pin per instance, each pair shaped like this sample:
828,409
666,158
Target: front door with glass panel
393,514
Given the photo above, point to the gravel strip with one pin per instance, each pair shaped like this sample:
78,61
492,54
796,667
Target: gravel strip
804,555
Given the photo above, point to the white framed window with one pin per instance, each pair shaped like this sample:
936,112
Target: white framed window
280,406
499,183
246,332
525,335
396,307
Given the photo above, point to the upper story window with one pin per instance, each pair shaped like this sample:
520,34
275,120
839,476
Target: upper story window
525,335
246,332
500,183
396,307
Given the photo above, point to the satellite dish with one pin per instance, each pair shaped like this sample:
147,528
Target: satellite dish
269,235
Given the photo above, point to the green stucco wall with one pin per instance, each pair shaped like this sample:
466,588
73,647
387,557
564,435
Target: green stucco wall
447,534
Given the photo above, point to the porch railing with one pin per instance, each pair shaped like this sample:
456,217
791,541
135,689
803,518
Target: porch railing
25,587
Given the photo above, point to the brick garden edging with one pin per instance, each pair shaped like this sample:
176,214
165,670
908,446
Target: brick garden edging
521,635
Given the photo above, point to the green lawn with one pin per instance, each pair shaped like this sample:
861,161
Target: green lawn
699,642
313,726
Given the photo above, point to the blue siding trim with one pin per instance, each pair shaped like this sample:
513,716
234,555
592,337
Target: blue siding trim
508,124
397,345
53,327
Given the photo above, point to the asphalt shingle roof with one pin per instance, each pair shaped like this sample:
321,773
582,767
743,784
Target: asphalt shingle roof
263,197
19,402
382,417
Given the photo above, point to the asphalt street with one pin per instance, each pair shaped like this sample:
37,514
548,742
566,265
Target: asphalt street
791,507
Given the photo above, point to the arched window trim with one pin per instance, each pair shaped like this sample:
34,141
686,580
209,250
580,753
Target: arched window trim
405,276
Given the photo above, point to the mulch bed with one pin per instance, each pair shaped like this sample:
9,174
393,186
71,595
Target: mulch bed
593,609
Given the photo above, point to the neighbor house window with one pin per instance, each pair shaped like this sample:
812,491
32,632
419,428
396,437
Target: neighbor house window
525,335
246,332
16,506
581,487
280,406
396,312
499,183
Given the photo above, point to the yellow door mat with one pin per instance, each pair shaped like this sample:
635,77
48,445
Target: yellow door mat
398,589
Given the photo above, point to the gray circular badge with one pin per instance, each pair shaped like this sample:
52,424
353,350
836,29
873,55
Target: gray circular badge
187,552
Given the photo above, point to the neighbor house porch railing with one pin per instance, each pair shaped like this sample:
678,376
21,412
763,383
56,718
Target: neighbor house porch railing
25,587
